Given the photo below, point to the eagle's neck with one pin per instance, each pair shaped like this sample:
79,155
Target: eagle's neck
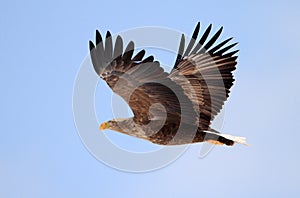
129,127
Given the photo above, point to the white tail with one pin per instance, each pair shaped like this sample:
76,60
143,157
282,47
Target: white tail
236,139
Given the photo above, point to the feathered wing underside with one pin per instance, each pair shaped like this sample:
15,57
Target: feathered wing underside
140,81
208,70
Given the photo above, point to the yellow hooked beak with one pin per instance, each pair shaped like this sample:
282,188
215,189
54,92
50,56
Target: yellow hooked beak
104,126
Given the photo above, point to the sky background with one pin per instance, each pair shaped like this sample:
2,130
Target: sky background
43,44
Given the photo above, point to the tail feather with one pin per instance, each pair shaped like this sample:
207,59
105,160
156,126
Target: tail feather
226,139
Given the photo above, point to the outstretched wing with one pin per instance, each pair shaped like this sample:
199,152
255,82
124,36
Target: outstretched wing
208,70
140,81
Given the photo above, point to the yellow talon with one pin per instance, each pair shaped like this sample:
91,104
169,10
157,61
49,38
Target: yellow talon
215,142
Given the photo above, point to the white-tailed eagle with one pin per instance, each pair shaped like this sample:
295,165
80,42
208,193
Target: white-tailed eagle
169,108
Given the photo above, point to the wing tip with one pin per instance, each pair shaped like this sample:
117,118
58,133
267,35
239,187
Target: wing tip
196,31
91,45
98,37
108,34
119,37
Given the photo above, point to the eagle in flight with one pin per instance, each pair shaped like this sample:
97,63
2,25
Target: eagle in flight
169,108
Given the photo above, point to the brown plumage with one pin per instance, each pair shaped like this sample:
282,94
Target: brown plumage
169,108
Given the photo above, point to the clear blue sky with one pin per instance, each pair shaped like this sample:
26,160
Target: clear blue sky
42,46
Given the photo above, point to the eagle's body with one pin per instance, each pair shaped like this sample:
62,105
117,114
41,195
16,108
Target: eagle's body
167,134
169,108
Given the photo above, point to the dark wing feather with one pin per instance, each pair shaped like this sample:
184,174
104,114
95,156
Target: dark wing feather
108,47
202,40
180,51
139,56
209,72
192,41
140,81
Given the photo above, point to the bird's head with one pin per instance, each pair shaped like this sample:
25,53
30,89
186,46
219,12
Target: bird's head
111,124
125,126
119,124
